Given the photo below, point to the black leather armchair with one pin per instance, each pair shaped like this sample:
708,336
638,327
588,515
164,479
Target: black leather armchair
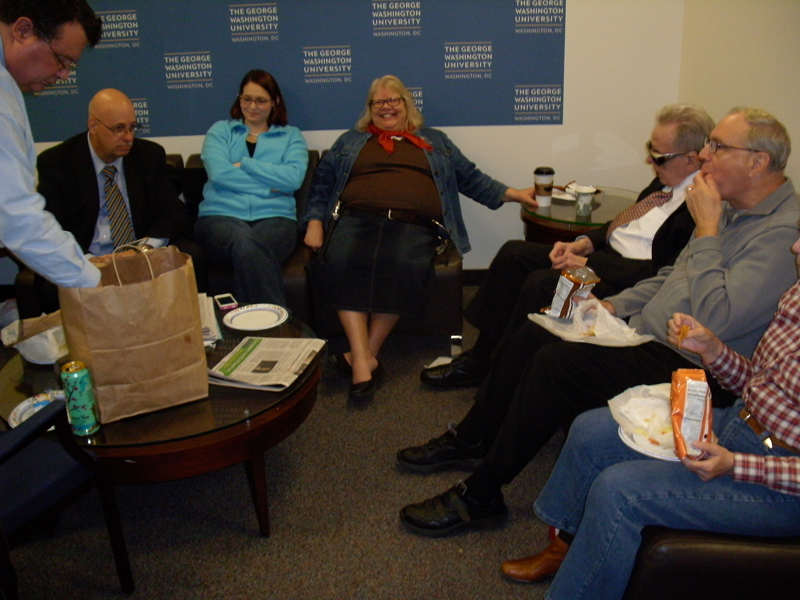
694,565
40,476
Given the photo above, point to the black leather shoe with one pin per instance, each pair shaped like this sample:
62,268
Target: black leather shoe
462,371
341,366
443,452
362,392
365,390
452,511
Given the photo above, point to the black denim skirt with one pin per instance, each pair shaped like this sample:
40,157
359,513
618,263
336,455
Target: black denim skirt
373,264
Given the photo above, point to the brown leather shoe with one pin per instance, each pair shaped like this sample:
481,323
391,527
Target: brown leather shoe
539,567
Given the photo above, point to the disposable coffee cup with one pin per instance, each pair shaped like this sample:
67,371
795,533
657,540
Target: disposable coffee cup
543,181
584,196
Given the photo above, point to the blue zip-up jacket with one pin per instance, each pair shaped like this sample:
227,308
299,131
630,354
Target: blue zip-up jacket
452,172
263,186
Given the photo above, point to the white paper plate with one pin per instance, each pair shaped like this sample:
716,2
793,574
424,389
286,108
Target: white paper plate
25,409
650,450
563,196
255,317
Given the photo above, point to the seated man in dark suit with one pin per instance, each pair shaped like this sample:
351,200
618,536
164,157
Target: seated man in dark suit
108,188
632,247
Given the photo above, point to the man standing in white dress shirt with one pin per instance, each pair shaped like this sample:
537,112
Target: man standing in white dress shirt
42,41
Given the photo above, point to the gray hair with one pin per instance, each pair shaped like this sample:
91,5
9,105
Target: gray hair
766,134
414,119
693,125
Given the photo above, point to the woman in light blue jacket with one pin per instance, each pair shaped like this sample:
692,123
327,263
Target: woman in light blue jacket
255,162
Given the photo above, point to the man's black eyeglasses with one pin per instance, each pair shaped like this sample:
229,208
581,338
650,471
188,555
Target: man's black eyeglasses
121,129
714,145
67,66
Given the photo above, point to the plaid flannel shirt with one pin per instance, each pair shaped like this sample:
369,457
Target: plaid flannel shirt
769,384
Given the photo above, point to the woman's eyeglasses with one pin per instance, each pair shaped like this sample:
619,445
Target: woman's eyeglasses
390,102
260,102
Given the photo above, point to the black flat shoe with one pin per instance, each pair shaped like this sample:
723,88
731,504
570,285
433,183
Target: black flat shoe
365,390
452,511
443,452
379,373
362,392
462,371
340,365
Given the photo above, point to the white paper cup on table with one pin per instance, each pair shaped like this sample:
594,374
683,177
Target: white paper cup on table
583,200
543,181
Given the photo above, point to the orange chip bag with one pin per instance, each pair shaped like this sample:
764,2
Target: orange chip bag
691,411
577,281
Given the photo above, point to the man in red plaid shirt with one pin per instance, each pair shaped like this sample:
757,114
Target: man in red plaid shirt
602,493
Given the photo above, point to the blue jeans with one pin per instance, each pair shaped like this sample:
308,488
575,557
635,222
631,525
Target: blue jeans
605,493
255,249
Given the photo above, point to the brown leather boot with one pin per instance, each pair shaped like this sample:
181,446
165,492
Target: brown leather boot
538,567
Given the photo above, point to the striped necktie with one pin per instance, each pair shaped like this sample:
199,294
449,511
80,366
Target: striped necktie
638,210
118,217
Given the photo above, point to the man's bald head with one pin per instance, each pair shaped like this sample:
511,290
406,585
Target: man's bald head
111,123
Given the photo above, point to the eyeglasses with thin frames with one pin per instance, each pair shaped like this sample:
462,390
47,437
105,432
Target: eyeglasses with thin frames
261,103
121,129
70,65
660,159
714,145
390,102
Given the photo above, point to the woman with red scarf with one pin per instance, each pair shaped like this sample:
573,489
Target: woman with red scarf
383,199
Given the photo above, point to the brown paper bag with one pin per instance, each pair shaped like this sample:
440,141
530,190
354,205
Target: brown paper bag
139,333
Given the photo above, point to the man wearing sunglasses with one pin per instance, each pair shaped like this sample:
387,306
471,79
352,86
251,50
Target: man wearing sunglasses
40,40
632,247
110,188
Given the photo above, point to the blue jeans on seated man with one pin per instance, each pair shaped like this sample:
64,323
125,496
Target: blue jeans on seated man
606,493
255,249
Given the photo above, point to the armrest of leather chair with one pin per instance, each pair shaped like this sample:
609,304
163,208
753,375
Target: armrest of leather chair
693,564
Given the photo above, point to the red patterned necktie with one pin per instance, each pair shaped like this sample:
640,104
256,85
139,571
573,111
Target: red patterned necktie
638,210
118,217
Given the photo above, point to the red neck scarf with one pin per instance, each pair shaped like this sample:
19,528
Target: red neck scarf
386,141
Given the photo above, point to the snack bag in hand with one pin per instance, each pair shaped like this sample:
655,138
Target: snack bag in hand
577,281
690,398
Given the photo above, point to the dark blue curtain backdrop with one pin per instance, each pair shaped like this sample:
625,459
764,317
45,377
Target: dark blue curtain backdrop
468,62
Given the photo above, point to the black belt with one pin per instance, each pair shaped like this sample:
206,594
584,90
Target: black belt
391,213
758,429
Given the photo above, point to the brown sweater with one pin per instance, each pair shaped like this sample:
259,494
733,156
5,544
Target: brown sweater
401,180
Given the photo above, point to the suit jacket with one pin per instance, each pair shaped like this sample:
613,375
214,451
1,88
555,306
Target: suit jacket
670,239
68,182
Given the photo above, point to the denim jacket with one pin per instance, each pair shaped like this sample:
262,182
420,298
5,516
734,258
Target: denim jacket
452,173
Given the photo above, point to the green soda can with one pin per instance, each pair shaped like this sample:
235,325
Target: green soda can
81,406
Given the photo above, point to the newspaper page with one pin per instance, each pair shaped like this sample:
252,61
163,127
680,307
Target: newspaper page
265,363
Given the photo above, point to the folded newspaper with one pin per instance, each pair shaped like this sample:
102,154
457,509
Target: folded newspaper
208,319
265,363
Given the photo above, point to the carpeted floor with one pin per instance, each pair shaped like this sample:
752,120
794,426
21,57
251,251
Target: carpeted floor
334,497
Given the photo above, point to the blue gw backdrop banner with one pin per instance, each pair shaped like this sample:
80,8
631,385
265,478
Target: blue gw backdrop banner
467,62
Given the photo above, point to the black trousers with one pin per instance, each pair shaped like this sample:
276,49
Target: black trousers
539,382
520,280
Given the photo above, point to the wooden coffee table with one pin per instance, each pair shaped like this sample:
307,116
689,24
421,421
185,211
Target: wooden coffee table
230,427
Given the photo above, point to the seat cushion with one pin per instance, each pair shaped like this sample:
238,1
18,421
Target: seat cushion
34,480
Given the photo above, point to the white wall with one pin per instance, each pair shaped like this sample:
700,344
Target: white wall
744,53
624,60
